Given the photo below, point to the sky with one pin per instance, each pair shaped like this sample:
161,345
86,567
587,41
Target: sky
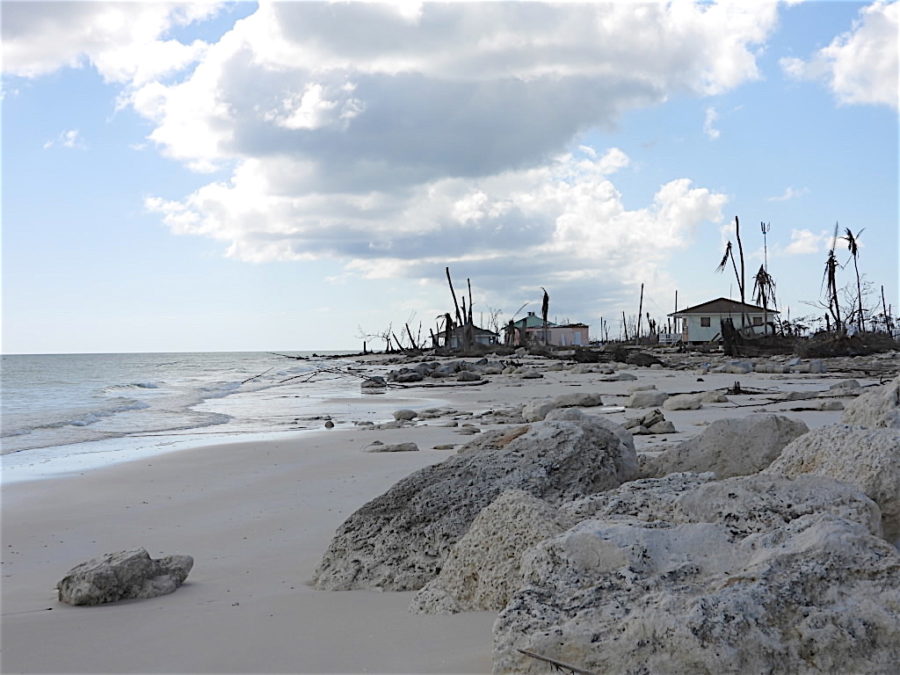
297,175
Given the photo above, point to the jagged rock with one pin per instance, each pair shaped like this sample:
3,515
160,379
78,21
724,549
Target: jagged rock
647,499
482,570
619,377
744,504
819,594
877,408
642,359
646,399
646,420
405,414
729,447
845,388
126,575
663,427
373,382
683,402
735,367
535,411
399,541
378,446
713,396
866,458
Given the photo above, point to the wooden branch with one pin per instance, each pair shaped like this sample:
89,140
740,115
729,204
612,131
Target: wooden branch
557,665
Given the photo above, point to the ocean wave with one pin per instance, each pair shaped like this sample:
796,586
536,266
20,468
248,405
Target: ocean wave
132,385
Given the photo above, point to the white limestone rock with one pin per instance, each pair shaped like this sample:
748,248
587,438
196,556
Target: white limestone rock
684,402
534,411
877,408
713,396
378,446
866,458
819,594
400,540
646,399
482,570
729,447
125,575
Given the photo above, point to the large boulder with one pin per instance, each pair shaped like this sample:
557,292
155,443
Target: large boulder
875,409
534,411
819,594
646,399
729,447
744,504
866,458
400,540
482,571
125,575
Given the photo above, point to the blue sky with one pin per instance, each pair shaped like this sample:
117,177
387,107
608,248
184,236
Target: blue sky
281,176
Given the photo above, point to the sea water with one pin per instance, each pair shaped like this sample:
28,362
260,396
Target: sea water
70,412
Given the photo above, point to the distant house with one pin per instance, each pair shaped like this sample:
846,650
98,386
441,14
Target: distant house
702,323
480,336
531,329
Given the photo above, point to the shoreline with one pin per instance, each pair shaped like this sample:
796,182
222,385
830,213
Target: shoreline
258,515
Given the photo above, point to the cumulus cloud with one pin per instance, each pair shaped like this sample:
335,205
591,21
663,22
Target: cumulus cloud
860,66
122,40
398,137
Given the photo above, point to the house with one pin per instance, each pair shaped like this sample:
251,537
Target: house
701,323
480,336
531,329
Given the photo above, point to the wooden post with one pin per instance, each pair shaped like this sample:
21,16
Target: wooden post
625,325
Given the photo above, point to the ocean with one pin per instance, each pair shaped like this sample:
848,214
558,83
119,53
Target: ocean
64,413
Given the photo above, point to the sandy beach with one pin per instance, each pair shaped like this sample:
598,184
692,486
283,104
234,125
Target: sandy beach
257,517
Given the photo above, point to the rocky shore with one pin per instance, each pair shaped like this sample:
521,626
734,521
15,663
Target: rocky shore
676,514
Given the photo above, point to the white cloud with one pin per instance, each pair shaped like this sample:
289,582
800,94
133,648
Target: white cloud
806,241
70,139
709,122
790,192
859,66
122,40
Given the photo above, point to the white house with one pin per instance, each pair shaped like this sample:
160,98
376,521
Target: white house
701,323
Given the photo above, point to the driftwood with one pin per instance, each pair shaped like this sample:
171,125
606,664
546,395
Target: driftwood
558,666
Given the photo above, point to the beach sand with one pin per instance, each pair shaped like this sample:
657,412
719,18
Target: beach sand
257,517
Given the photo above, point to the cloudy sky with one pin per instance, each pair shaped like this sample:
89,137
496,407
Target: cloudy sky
294,175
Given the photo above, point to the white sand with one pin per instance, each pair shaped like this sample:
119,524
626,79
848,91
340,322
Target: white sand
257,517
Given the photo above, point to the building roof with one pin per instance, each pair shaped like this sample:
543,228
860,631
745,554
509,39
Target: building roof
531,321
723,306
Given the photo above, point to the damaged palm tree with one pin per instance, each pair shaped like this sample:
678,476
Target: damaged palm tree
829,280
545,309
764,293
853,247
729,255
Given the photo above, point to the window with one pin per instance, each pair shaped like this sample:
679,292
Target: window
757,321
704,321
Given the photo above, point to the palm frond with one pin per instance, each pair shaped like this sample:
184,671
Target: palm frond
725,257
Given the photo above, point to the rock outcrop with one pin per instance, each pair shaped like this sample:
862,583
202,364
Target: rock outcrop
534,411
866,458
400,540
125,575
483,571
819,594
876,409
729,447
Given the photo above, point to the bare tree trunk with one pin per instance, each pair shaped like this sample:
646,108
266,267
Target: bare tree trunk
411,340
625,326
459,319
637,338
